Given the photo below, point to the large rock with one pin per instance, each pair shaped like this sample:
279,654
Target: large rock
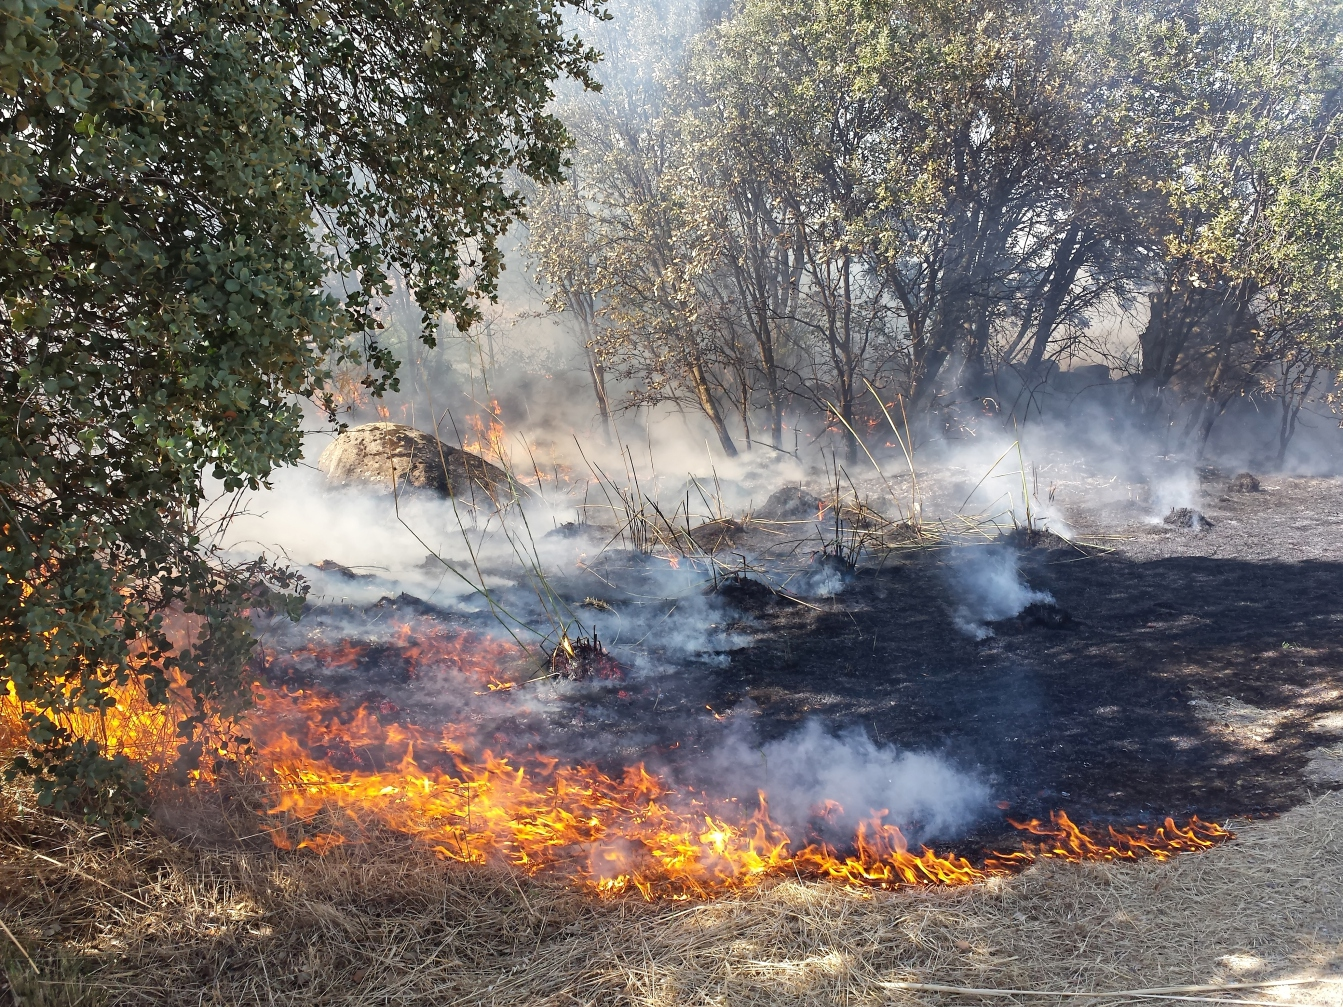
375,453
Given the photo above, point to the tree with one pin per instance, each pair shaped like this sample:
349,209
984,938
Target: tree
199,208
643,248
1234,105
561,253
925,194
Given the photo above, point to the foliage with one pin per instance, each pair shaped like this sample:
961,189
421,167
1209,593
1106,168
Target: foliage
936,196
199,208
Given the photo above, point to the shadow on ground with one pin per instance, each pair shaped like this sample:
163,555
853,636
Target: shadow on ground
1184,685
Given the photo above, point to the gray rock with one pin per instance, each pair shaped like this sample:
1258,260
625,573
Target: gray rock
375,453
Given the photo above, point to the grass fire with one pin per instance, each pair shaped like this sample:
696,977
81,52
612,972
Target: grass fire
662,504
603,833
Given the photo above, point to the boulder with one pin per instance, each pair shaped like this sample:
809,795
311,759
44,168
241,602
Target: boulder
375,453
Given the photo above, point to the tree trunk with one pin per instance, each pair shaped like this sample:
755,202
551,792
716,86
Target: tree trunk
706,400
765,343
597,371
1064,273
1293,398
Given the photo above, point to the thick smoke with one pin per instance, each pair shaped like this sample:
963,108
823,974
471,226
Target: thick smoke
530,571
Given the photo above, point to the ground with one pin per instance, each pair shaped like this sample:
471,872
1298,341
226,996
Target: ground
120,920
1201,673
1198,672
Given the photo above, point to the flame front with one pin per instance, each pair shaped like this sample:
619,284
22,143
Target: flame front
334,778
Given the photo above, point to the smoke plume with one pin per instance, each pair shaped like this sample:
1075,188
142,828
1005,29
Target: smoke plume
989,587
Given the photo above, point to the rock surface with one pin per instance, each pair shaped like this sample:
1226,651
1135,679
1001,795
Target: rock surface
375,453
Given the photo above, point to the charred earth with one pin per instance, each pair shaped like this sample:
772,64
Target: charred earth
1166,674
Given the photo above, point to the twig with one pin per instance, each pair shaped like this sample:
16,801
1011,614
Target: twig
799,601
915,502
22,950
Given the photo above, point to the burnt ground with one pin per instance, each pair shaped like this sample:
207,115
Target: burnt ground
1201,671
1109,717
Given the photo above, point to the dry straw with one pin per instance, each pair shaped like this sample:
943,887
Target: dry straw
386,923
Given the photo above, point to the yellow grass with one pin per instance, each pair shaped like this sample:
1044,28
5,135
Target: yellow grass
149,919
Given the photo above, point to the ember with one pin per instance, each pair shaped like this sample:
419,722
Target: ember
583,658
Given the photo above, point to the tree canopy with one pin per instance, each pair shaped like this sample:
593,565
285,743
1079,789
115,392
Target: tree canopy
922,195
200,207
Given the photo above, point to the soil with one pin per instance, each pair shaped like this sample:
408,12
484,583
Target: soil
1178,672
1199,673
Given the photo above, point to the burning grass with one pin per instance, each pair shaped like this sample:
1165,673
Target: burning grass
325,777
304,873
144,919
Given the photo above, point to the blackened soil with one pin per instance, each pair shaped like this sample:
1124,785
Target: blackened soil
1183,672
1106,718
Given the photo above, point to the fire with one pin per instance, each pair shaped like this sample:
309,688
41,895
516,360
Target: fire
421,647
334,777
1068,842
487,436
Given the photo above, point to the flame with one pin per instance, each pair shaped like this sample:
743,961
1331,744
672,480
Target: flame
335,778
421,646
1068,842
486,437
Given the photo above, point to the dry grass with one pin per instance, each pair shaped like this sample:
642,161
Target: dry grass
386,923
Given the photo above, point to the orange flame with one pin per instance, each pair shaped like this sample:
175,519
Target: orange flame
332,777
486,439
1068,842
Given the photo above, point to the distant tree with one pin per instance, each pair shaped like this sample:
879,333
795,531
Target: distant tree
1235,107
1299,271
632,229
200,206
924,194
563,259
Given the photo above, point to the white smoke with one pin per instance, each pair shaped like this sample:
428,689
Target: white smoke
356,547
822,785
989,587
1171,487
822,580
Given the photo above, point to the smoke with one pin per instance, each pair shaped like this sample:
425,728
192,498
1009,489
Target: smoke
989,587
1171,487
530,568
822,785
